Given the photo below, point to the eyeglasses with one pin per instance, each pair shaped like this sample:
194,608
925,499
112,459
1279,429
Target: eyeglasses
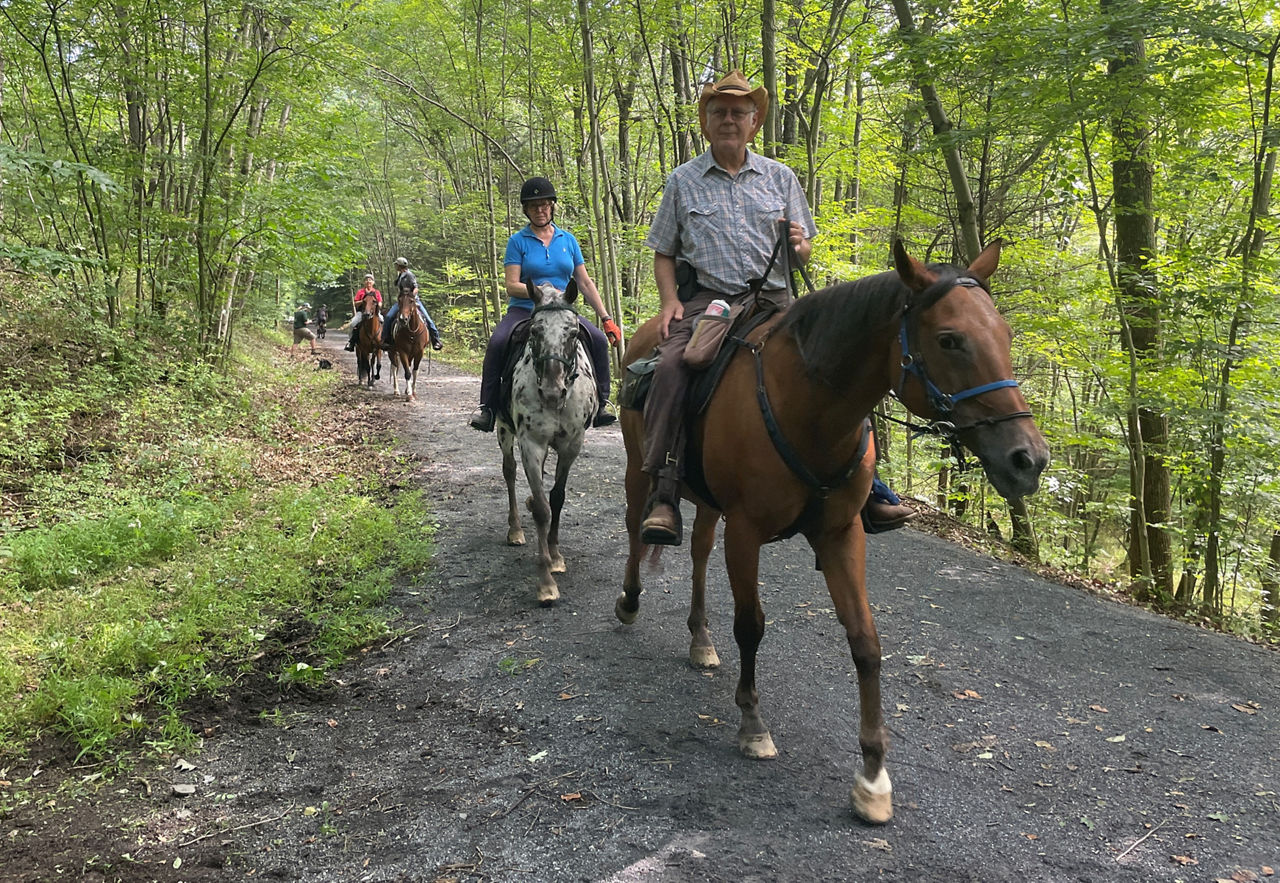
538,205
737,114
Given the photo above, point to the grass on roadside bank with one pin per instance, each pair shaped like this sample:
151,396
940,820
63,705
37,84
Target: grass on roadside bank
179,530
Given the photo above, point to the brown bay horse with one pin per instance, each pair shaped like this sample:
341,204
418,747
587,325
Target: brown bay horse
783,452
408,341
368,344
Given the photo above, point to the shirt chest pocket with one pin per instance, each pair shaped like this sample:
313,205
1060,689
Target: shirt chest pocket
767,209
763,216
703,218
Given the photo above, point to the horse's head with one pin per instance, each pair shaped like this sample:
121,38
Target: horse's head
954,367
553,341
408,317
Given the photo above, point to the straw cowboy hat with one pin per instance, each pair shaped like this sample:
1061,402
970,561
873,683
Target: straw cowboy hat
734,85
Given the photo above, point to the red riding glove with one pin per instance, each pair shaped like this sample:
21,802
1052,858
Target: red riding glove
611,331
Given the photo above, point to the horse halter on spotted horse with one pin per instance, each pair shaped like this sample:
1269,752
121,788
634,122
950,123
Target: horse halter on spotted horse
943,403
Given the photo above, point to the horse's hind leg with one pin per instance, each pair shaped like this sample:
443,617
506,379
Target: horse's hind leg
702,653
627,607
742,559
843,557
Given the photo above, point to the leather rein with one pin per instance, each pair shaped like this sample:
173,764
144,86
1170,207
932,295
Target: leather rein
913,363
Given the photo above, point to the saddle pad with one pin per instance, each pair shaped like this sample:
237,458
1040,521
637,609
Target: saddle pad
511,358
636,380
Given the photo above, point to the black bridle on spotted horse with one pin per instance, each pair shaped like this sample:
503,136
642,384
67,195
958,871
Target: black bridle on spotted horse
539,360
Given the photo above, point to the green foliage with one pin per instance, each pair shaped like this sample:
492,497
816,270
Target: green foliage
144,559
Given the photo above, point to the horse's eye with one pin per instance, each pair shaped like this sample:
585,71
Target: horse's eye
949,340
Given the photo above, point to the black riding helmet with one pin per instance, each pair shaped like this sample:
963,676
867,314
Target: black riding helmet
537,188
534,189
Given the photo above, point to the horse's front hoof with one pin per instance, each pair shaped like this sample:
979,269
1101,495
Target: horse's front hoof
515,537
872,801
558,565
758,746
548,595
626,615
704,657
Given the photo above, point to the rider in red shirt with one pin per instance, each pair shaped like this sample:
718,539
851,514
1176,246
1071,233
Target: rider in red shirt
358,308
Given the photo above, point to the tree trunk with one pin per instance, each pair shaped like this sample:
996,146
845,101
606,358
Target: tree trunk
1139,300
1264,164
1271,584
1023,535
970,243
769,59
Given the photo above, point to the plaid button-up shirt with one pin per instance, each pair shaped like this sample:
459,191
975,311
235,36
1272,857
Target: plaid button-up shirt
724,225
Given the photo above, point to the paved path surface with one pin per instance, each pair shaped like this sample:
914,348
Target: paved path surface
1038,733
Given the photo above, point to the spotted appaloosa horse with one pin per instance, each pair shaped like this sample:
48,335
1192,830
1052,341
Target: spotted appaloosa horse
553,398
784,451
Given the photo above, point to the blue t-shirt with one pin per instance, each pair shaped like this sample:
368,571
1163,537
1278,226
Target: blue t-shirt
540,263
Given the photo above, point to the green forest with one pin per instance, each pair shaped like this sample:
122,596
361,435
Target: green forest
176,176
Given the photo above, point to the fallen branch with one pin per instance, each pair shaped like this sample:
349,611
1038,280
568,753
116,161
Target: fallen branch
1135,843
237,828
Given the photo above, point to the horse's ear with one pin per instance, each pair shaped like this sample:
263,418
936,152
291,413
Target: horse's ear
912,273
985,263
571,291
534,294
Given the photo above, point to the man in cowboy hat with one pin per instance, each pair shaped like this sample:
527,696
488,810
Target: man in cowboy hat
718,218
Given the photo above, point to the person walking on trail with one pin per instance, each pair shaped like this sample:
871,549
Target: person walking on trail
357,309
407,283
536,253
718,217
300,330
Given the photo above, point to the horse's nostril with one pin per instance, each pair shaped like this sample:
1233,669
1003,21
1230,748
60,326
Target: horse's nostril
1029,460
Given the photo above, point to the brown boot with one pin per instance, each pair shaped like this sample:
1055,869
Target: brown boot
661,525
879,516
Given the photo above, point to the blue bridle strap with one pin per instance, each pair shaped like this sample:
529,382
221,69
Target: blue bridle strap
944,403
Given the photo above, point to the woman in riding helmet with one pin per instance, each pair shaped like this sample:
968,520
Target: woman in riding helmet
543,252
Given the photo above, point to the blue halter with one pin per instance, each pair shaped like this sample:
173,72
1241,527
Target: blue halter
943,404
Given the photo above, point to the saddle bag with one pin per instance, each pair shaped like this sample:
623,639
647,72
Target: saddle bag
636,380
708,336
